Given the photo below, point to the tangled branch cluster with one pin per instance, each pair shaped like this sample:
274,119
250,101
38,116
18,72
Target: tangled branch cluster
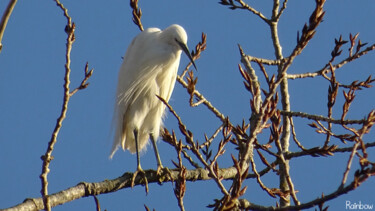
267,116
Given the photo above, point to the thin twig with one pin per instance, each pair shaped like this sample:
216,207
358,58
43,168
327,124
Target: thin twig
336,66
295,135
47,157
243,5
5,18
321,118
265,188
208,104
262,60
307,152
209,140
246,205
195,148
97,204
172,140
277,17
84,82
137,14
347,169
180,189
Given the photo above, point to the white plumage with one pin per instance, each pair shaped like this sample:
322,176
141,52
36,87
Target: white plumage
149,68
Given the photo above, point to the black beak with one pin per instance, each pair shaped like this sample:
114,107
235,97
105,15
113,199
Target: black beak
186,50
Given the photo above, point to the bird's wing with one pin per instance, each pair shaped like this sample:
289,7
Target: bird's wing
136,64
133,72
172,80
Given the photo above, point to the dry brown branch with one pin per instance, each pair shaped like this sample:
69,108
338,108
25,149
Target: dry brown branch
308,30
320,128
268,190
325,69
260,60
295,135
352,43
137,14
180,188
332,95
252,84
5,18
172,140
321,118
85,189
97,204
242,5
277,17
347,169
257,122
47,157
359,178
316,151
213,166
208,104
209,140
358,85
259,115
84,84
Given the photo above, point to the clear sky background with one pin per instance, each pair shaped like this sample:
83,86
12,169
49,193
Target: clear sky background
31,78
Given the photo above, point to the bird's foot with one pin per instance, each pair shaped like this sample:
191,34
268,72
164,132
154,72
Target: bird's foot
143,178
164,174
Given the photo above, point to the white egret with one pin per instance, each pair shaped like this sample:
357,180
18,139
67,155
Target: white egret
149,68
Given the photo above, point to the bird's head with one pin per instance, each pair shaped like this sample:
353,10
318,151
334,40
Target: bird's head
177,36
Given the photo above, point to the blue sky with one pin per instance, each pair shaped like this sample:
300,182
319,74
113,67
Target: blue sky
31,78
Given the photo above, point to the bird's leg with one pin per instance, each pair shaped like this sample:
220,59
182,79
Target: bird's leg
161,171
156,151
139,168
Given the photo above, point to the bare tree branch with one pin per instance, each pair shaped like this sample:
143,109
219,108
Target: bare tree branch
242,5
245,204
336,66
137,14
47,157
85,189
321,118
5,18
